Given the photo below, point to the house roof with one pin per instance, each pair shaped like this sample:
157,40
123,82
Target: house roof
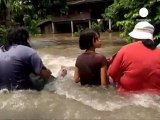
44,22
76,2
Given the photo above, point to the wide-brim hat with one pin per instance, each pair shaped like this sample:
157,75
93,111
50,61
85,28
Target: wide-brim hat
142,30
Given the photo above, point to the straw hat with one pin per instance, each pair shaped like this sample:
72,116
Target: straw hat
142,30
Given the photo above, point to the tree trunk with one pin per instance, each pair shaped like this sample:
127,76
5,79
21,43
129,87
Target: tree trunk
8,13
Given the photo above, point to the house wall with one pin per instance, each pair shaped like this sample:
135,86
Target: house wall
46,28
73,16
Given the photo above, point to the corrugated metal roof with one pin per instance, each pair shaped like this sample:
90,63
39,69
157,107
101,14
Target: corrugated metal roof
43,22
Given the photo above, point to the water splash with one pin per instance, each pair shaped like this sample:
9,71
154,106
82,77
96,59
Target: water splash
97,98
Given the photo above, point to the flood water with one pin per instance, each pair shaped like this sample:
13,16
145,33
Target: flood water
65,99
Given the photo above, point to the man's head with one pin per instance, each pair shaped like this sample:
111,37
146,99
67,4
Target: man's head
18,36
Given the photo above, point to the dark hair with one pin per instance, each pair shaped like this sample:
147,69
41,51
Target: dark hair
156,41
22,36
87,37
149,43
11,36
18,36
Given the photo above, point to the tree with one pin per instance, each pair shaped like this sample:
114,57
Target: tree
30,12
5,9
125,14
47,7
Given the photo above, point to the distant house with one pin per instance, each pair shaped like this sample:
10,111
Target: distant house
81,13
46,26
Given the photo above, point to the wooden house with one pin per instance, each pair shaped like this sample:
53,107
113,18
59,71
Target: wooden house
81,13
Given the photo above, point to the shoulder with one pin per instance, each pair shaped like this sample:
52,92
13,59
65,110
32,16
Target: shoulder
131,47
79,56
25,49
99,55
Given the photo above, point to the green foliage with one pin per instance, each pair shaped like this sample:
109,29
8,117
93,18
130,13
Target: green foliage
31,24
3,33
24,13
97,26
125,14
45,7
30,12
3,4
80,28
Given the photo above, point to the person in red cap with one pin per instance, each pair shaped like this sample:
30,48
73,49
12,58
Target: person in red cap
136,67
